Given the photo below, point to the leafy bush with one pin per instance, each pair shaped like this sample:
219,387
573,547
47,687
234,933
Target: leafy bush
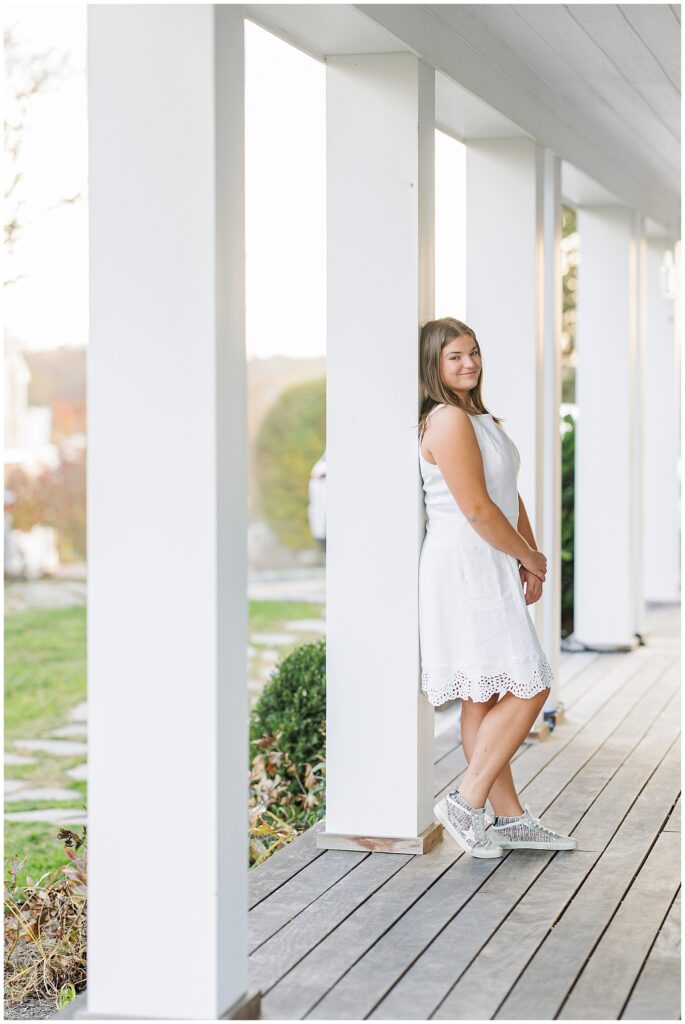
288,739
293,703
291,439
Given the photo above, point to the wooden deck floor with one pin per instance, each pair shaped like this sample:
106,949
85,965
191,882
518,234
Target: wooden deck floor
591,933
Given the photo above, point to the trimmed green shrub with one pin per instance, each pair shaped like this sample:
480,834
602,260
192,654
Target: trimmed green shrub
294,703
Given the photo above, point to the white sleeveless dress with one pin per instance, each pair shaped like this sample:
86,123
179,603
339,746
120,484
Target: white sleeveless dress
476,634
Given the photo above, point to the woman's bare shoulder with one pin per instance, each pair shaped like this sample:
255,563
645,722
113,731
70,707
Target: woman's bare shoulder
450,418
451,429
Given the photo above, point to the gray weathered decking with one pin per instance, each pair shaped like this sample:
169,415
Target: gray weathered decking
591,933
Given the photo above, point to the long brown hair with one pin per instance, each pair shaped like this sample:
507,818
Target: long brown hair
435,334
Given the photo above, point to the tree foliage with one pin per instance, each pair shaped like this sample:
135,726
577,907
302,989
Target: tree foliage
291,439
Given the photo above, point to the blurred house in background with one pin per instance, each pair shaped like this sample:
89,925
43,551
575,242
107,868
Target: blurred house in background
35,454
28,428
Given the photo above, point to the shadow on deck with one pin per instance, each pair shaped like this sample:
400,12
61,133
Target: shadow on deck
591,933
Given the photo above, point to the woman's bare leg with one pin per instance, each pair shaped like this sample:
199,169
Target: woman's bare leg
501,732
502,795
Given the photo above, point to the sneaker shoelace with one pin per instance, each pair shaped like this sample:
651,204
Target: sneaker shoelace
538,824
479,828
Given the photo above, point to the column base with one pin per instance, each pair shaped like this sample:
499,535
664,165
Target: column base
246,1008
382,844
539,732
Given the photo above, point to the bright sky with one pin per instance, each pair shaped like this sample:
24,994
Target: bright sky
49,306
286,212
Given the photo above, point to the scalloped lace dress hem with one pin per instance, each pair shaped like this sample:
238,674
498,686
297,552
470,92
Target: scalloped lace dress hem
528,678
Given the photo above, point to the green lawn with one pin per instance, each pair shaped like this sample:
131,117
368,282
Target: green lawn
45,669
268,615
38,841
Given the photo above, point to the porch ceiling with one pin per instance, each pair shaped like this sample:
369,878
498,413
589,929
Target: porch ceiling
597,84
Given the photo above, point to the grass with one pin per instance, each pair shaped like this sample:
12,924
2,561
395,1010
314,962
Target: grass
45,669
78,803
267,615
38,841
48,770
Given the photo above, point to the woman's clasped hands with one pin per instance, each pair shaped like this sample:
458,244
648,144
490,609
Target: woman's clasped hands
532,575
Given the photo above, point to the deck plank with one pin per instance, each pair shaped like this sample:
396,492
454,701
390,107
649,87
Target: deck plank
286,947
368,981
265,878
656,995
605,984
445,743
674,820
317,972
580,672
418,992
354,996
542,987
298,892
503,957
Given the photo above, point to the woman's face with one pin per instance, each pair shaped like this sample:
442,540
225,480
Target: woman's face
460,365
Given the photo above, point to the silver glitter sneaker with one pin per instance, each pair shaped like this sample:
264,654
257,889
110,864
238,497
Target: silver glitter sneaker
466,825
526,832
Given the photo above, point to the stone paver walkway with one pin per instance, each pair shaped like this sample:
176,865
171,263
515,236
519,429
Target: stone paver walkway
40,793
57,747
63,748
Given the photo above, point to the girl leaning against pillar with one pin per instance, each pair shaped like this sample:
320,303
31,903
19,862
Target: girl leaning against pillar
477,640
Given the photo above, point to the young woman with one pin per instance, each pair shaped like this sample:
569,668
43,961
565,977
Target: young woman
477,639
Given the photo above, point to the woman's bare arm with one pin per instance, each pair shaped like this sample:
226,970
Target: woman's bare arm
454,446
524,527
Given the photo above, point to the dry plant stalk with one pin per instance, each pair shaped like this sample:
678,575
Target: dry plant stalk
45,927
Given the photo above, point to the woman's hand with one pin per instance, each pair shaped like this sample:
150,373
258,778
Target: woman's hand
534,561
533,591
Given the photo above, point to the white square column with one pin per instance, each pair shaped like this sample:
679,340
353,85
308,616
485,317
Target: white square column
380,222
167,484
513,285
608,483
661,554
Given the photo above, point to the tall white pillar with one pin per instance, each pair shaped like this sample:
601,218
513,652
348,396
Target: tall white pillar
608,387
380,190
514,305
637,270
167,481
661,565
